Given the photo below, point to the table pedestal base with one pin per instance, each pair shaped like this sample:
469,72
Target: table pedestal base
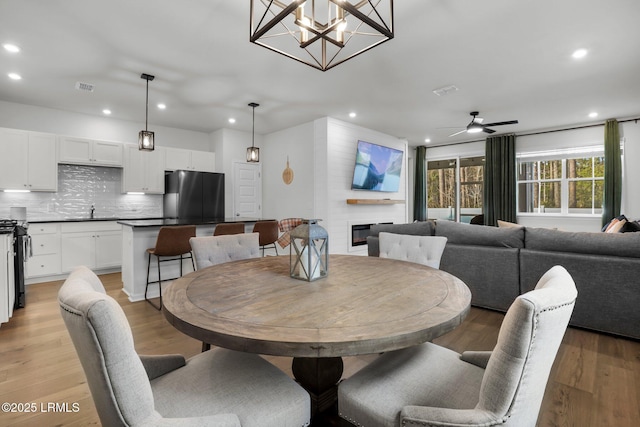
319,376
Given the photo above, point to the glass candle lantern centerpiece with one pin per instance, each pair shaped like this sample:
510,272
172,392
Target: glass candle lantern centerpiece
309,251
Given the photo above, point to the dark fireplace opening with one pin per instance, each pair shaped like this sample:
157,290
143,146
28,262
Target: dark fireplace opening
360,232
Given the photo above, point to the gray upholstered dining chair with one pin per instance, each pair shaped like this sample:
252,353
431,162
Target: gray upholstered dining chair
426,250
434,386
212,250
220,388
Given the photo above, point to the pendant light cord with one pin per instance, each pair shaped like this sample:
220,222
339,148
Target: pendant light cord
253,128
146,114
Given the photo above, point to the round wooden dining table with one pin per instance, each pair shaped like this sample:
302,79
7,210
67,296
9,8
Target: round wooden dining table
365,305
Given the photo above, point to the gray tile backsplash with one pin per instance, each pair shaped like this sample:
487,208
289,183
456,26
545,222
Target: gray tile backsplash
79,187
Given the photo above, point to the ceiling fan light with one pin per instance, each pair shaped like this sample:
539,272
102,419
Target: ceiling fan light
474,128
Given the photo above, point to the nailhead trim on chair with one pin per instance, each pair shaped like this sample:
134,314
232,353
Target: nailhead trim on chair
353,422
508,414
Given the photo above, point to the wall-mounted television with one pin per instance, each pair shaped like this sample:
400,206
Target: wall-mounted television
377,168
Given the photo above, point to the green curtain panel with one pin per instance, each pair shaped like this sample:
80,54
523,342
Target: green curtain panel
420,185
612,172
500,179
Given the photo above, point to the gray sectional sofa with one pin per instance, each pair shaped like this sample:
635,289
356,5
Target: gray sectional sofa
498,264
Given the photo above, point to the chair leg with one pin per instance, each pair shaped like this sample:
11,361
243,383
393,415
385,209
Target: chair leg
193,264
205,347
157,307
159,284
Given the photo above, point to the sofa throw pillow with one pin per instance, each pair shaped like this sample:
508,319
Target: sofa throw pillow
630,227
506,224
613,222
616,226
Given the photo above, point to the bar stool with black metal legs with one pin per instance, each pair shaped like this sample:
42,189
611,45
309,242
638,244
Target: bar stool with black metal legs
173,245
225,228
268,231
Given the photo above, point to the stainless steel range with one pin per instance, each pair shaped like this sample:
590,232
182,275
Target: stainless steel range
21,252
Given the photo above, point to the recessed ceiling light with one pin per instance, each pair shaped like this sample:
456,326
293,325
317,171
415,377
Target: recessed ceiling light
162,106
580,53
593,115
352,115
14,76
106,112
232,120
427,140
11,48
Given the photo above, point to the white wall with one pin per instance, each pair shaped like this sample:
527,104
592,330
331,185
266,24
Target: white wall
342,139
322,156
295,200
39,119
630,131
230,146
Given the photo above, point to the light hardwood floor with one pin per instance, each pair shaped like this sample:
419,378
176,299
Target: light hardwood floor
595,381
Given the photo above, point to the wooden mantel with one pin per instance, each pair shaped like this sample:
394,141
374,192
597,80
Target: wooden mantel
374,201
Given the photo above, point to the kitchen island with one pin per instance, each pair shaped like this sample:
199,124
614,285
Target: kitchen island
139,235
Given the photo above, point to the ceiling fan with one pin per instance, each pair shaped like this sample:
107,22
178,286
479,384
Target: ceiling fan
476,125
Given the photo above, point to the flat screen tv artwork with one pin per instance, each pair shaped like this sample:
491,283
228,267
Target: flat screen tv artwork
377,168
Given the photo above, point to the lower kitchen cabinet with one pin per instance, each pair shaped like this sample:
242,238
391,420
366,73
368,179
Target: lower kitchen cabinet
58,247
45,246
96,245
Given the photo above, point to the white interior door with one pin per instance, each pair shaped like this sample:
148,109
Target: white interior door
247,190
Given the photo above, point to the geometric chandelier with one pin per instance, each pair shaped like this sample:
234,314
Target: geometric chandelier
321,33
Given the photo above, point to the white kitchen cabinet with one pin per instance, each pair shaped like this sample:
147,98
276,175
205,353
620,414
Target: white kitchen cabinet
82,151
181,159
7,284
143,170
109,249
95,244
28,161
45,245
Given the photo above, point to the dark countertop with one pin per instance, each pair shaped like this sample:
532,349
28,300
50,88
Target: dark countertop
159,222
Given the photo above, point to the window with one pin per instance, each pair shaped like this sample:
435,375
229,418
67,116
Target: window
455,184
441,188
571,184
471,178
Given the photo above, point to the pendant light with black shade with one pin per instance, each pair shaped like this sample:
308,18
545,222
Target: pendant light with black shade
253,152
146,137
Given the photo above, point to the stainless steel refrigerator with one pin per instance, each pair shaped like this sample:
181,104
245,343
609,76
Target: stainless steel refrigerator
196,196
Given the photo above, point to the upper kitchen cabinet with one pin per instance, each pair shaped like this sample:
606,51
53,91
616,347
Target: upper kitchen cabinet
180,159
28,161
81,151
143,170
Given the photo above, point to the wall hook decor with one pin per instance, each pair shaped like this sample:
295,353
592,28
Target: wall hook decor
287,174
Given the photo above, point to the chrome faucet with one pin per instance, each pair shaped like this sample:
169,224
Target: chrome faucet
93,209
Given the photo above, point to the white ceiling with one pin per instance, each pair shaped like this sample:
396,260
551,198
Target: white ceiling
510,60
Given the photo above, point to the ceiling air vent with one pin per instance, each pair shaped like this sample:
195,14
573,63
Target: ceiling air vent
84,86
445,90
